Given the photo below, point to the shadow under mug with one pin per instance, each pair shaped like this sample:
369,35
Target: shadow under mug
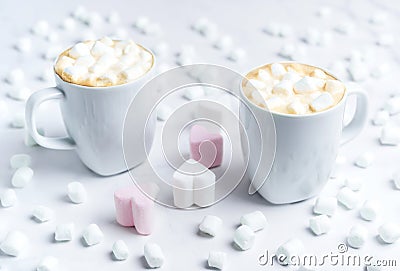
306,147
94,120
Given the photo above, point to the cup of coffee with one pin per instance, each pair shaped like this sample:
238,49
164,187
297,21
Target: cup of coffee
307,105
95,83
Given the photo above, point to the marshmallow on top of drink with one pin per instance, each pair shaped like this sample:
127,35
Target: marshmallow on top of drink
293,88
104,62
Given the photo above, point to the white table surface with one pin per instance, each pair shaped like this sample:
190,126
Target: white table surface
176,230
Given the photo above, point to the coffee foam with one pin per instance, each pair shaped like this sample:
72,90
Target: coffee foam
104,62
292,88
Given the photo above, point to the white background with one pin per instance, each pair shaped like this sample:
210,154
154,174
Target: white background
176,230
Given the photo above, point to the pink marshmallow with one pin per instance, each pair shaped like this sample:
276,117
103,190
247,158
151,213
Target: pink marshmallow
206,147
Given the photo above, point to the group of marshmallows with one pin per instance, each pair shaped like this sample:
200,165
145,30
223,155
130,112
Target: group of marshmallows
103,62
293,89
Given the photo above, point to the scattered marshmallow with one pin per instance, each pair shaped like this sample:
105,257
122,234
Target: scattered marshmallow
64,232
210,225
76,192
41,28
396,179
8,198
93,235
357,236
322,102
348,198
164,112
353,183
15,76
52,52
151,29
14,243
378,18
325,206
393,105
237,54
364,160
369,211
324,12
20,160
141,22
255,220
345,28
358,71
381,118
19,93
217,259
244,237
320,224
48,263
161,49
120,250
389,232
42,213
292,248
224,43
18,120
390,135
278,29
52,36
154,255
68,24
23,45
22,176
113,18
385,39
381,70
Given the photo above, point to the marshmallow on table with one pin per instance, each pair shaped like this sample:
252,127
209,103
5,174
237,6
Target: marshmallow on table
396,179
217,259
210,225
22,176
320,224
237,54
15,76
255,220
40,28
325,206
120,250
14,243
93,235
20,160
390,135
292,248
224,43
19,93
23,45
369,211
18,120
42,213
154,255
64,232
357,236
381,118
48,263
76,192
348,198
393,105
389,232
244,237
385,39
353,183
68,24
8,198
206,147
364,160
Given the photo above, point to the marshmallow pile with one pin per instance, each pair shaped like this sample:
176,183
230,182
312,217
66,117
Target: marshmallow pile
103,62
292,88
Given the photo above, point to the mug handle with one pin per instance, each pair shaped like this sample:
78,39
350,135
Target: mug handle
58,143
354,127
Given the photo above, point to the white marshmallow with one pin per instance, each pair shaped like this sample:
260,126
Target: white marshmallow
42,213
76,73
161,49
200,23
390,135
320,224
393,105
297,107
8,198
325,206
369,211
334,86
224,43
76,192
79,49
255,84
389,232
22,176
100,49
358,71
141,22
85,61
381,118
237,54
353,183
292,248
288,51
93,19
255,220
107,41
324,12
68,24
49,263
15,76
278,70
52,36
209,31
93,235
385,39
65,61
18,120
345,28
47,75
263,75
307,84
132,73
108,78
272,29
151,29
396,179
64,232
374,267
210,225
19,93
378,18
217,259
120,250
113,18
80,13
284,87
357,236
291,76
364,160
24,45
164,112
41,28
244,237
20,160
322,102
204,187
313,37
274,102
348,198
14,243
319,74
154,255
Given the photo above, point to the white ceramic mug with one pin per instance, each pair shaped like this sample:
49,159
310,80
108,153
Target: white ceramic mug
305,151
94,119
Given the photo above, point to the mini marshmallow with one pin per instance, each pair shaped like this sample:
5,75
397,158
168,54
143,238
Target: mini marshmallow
85,61
364,160
15,76
42,213
348,198
80,13
381,70
19,93
291,76
18,120
320,74
8,198
22,176
141,22
75,73
297,107
344,28
390,135
353,183
284,87
41,28
132,73
209,31
369,211
288,51
244,237
93,235
378,18
263,75
389,232
358,71
292,248
210,225
52,36
23,45
224,43
164,112
93,19
49,263
151,29
357,236
153,255
217,259
99,49
51,53
255,84
325,206
272,29
393,105
192,93
274,102
47,75
396,179
79,49
113,18
161,49
313,37
64,232
320,224
20,160
334,86
381,118
68,24
308,84
14,243
385,39
277,70
76,192
324,12
237,54
255,220
322,102
120,250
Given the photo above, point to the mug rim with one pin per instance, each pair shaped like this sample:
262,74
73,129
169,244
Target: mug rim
105,88
286,115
